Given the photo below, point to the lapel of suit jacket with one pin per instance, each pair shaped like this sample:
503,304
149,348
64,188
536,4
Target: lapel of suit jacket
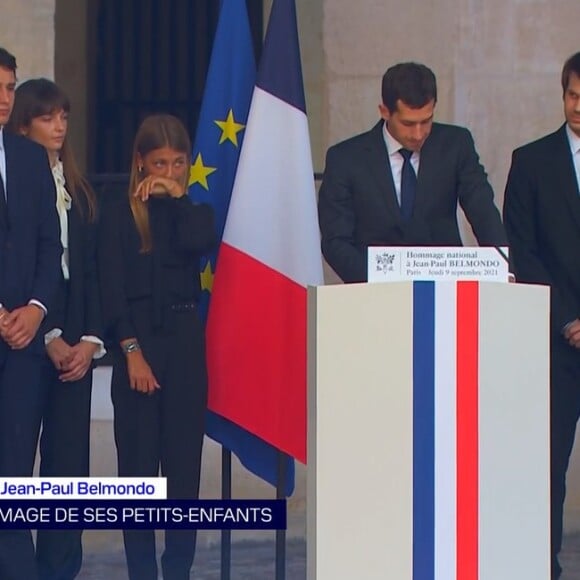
564,172
427,175
380,169
75,257
12,177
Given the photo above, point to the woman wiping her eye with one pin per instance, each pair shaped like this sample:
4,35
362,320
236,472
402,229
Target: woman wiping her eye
149,250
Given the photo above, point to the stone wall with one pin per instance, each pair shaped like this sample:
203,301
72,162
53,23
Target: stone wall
27,31
497,63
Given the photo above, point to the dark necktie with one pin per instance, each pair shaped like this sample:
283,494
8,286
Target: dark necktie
3,206
408,185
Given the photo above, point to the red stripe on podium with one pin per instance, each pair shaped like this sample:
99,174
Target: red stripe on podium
467,431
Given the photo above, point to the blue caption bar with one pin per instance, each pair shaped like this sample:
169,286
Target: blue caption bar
143,514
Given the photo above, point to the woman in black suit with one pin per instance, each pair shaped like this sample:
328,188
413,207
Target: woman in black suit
72,328
149,249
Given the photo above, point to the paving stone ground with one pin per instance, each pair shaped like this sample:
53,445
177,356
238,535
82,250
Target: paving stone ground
255,560
251,560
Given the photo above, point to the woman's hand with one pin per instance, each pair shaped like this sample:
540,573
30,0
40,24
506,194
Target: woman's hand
141,377
79,362
59,351
155,185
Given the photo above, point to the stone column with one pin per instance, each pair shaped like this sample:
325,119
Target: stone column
27,31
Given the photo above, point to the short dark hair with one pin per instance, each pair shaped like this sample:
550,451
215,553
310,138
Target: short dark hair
412,83
7,60
572,65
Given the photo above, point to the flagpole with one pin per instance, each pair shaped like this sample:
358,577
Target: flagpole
226,535
281,534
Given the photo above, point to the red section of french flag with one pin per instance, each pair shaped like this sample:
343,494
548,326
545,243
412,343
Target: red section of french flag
467,431
257,330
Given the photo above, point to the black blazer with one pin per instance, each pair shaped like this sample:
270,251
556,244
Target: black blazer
30,248
76,309
358,206
542,218
137,287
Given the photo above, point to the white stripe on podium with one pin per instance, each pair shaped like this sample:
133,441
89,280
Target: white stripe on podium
445,431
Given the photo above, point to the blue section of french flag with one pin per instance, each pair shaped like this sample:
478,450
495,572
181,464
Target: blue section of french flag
280,71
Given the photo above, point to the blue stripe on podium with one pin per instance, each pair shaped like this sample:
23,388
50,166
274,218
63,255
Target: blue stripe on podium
423,430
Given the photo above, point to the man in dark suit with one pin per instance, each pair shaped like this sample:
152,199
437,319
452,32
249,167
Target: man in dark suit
542,217
399,184
30,253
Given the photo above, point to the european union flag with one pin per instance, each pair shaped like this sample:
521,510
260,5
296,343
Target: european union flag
220,131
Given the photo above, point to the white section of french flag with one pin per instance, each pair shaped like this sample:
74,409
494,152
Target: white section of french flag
272,215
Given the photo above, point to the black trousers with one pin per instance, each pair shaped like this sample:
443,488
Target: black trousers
64,449
564,414
21,402
164,429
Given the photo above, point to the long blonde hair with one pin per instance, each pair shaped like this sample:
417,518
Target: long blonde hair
38,97
155,132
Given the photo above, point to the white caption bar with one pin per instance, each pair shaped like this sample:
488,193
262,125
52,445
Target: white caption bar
394,264
83,488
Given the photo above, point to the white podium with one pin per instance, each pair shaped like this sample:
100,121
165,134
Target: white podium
428,432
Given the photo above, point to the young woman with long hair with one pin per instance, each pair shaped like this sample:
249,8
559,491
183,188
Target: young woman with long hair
73,327
149,250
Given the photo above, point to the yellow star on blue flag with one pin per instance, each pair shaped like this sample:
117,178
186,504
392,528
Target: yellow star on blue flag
230,129
199,172
207,277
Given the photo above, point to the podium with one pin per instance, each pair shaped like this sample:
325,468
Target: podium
428,432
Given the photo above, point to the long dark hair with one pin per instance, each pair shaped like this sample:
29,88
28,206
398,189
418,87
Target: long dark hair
38,97
155,132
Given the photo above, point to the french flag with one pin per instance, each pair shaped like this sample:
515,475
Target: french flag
270,253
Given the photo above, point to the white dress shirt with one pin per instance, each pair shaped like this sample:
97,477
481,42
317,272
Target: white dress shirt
2,158
63,205
396,160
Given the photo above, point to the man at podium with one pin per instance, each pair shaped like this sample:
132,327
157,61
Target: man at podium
399,183
542,217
